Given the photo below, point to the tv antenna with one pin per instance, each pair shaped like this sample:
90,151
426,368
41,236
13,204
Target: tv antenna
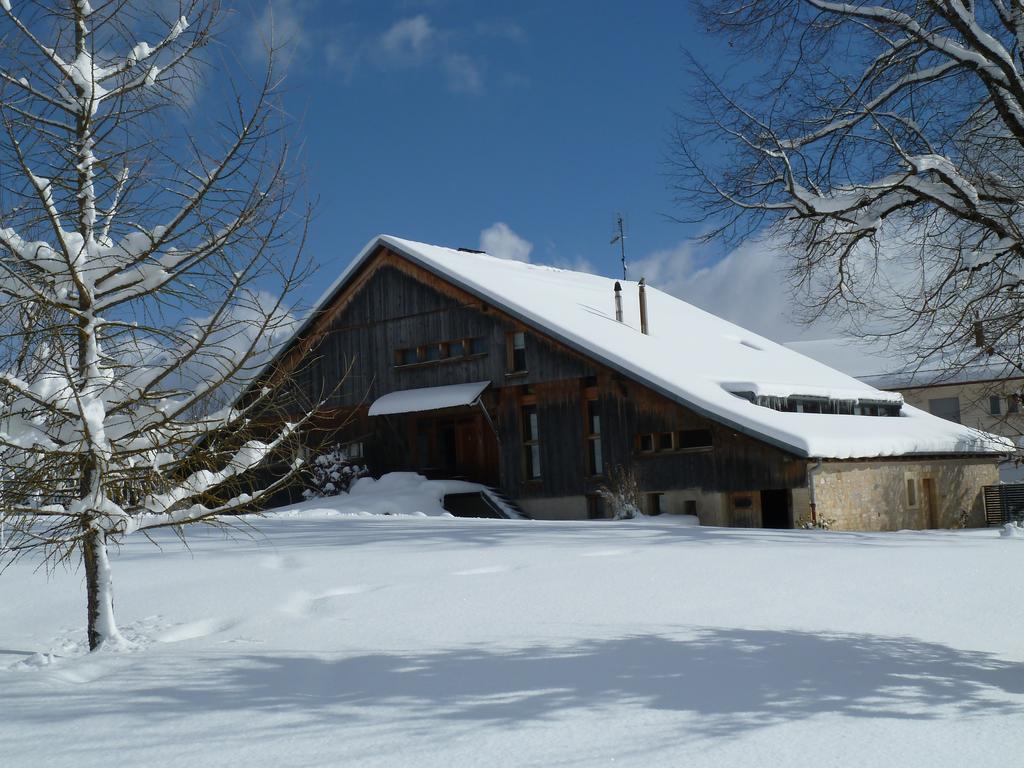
620,238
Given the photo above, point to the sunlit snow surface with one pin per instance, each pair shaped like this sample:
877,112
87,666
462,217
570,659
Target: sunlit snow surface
320,639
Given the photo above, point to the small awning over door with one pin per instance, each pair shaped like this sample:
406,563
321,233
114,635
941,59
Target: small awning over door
428,398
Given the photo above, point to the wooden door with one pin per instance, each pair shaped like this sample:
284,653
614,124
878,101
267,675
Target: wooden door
476,451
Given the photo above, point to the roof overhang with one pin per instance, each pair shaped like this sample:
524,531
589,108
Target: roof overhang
428,398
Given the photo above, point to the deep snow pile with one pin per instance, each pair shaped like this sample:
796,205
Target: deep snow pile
396,493
326,639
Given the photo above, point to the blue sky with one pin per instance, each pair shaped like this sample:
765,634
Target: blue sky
442,121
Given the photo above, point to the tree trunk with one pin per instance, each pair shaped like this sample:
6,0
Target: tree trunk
102,629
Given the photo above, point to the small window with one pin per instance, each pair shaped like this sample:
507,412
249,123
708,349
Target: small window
666,441
646,443
945,408
743,502
995,405
457,348
690,507
517,354
695,438
531,442
406,356
911,492
353,450
478,346
432,352
1013,404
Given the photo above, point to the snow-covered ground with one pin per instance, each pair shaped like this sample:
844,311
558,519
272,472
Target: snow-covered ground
346,640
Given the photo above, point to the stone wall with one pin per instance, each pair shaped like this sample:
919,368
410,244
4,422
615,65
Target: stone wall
892,495
555,508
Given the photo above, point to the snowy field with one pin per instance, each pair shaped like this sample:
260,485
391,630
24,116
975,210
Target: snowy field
332,640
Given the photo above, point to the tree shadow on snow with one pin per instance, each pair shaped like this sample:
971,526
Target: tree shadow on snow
725,681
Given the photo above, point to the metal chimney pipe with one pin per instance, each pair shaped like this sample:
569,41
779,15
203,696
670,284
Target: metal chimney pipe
643,306
618,301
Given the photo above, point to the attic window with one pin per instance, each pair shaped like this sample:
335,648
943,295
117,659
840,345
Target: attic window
440,352
694,438
517,352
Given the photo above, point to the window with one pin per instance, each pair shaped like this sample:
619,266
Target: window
995,405
441,351
694,438
595,461
666,441
406,356
1013,404
531,442
645,443
517,352
353,450
945,408
911,492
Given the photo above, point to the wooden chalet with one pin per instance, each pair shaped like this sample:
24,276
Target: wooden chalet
538,381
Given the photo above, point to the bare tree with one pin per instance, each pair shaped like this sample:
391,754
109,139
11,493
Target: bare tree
884,143
143,272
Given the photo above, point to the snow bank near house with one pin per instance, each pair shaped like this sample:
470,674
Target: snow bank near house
400,494
1012,531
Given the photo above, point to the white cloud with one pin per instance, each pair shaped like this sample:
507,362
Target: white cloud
408,41
416,42
282,28
749,287
503,30
464,75
499,240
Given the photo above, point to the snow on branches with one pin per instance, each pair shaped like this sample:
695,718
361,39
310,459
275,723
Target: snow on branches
142,283
886,140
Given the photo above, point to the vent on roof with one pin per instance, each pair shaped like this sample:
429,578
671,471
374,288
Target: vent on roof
642,285
472,250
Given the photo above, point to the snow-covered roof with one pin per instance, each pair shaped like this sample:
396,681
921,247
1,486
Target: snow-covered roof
886,365
690,356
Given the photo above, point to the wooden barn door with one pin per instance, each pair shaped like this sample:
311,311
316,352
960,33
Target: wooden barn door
476,451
